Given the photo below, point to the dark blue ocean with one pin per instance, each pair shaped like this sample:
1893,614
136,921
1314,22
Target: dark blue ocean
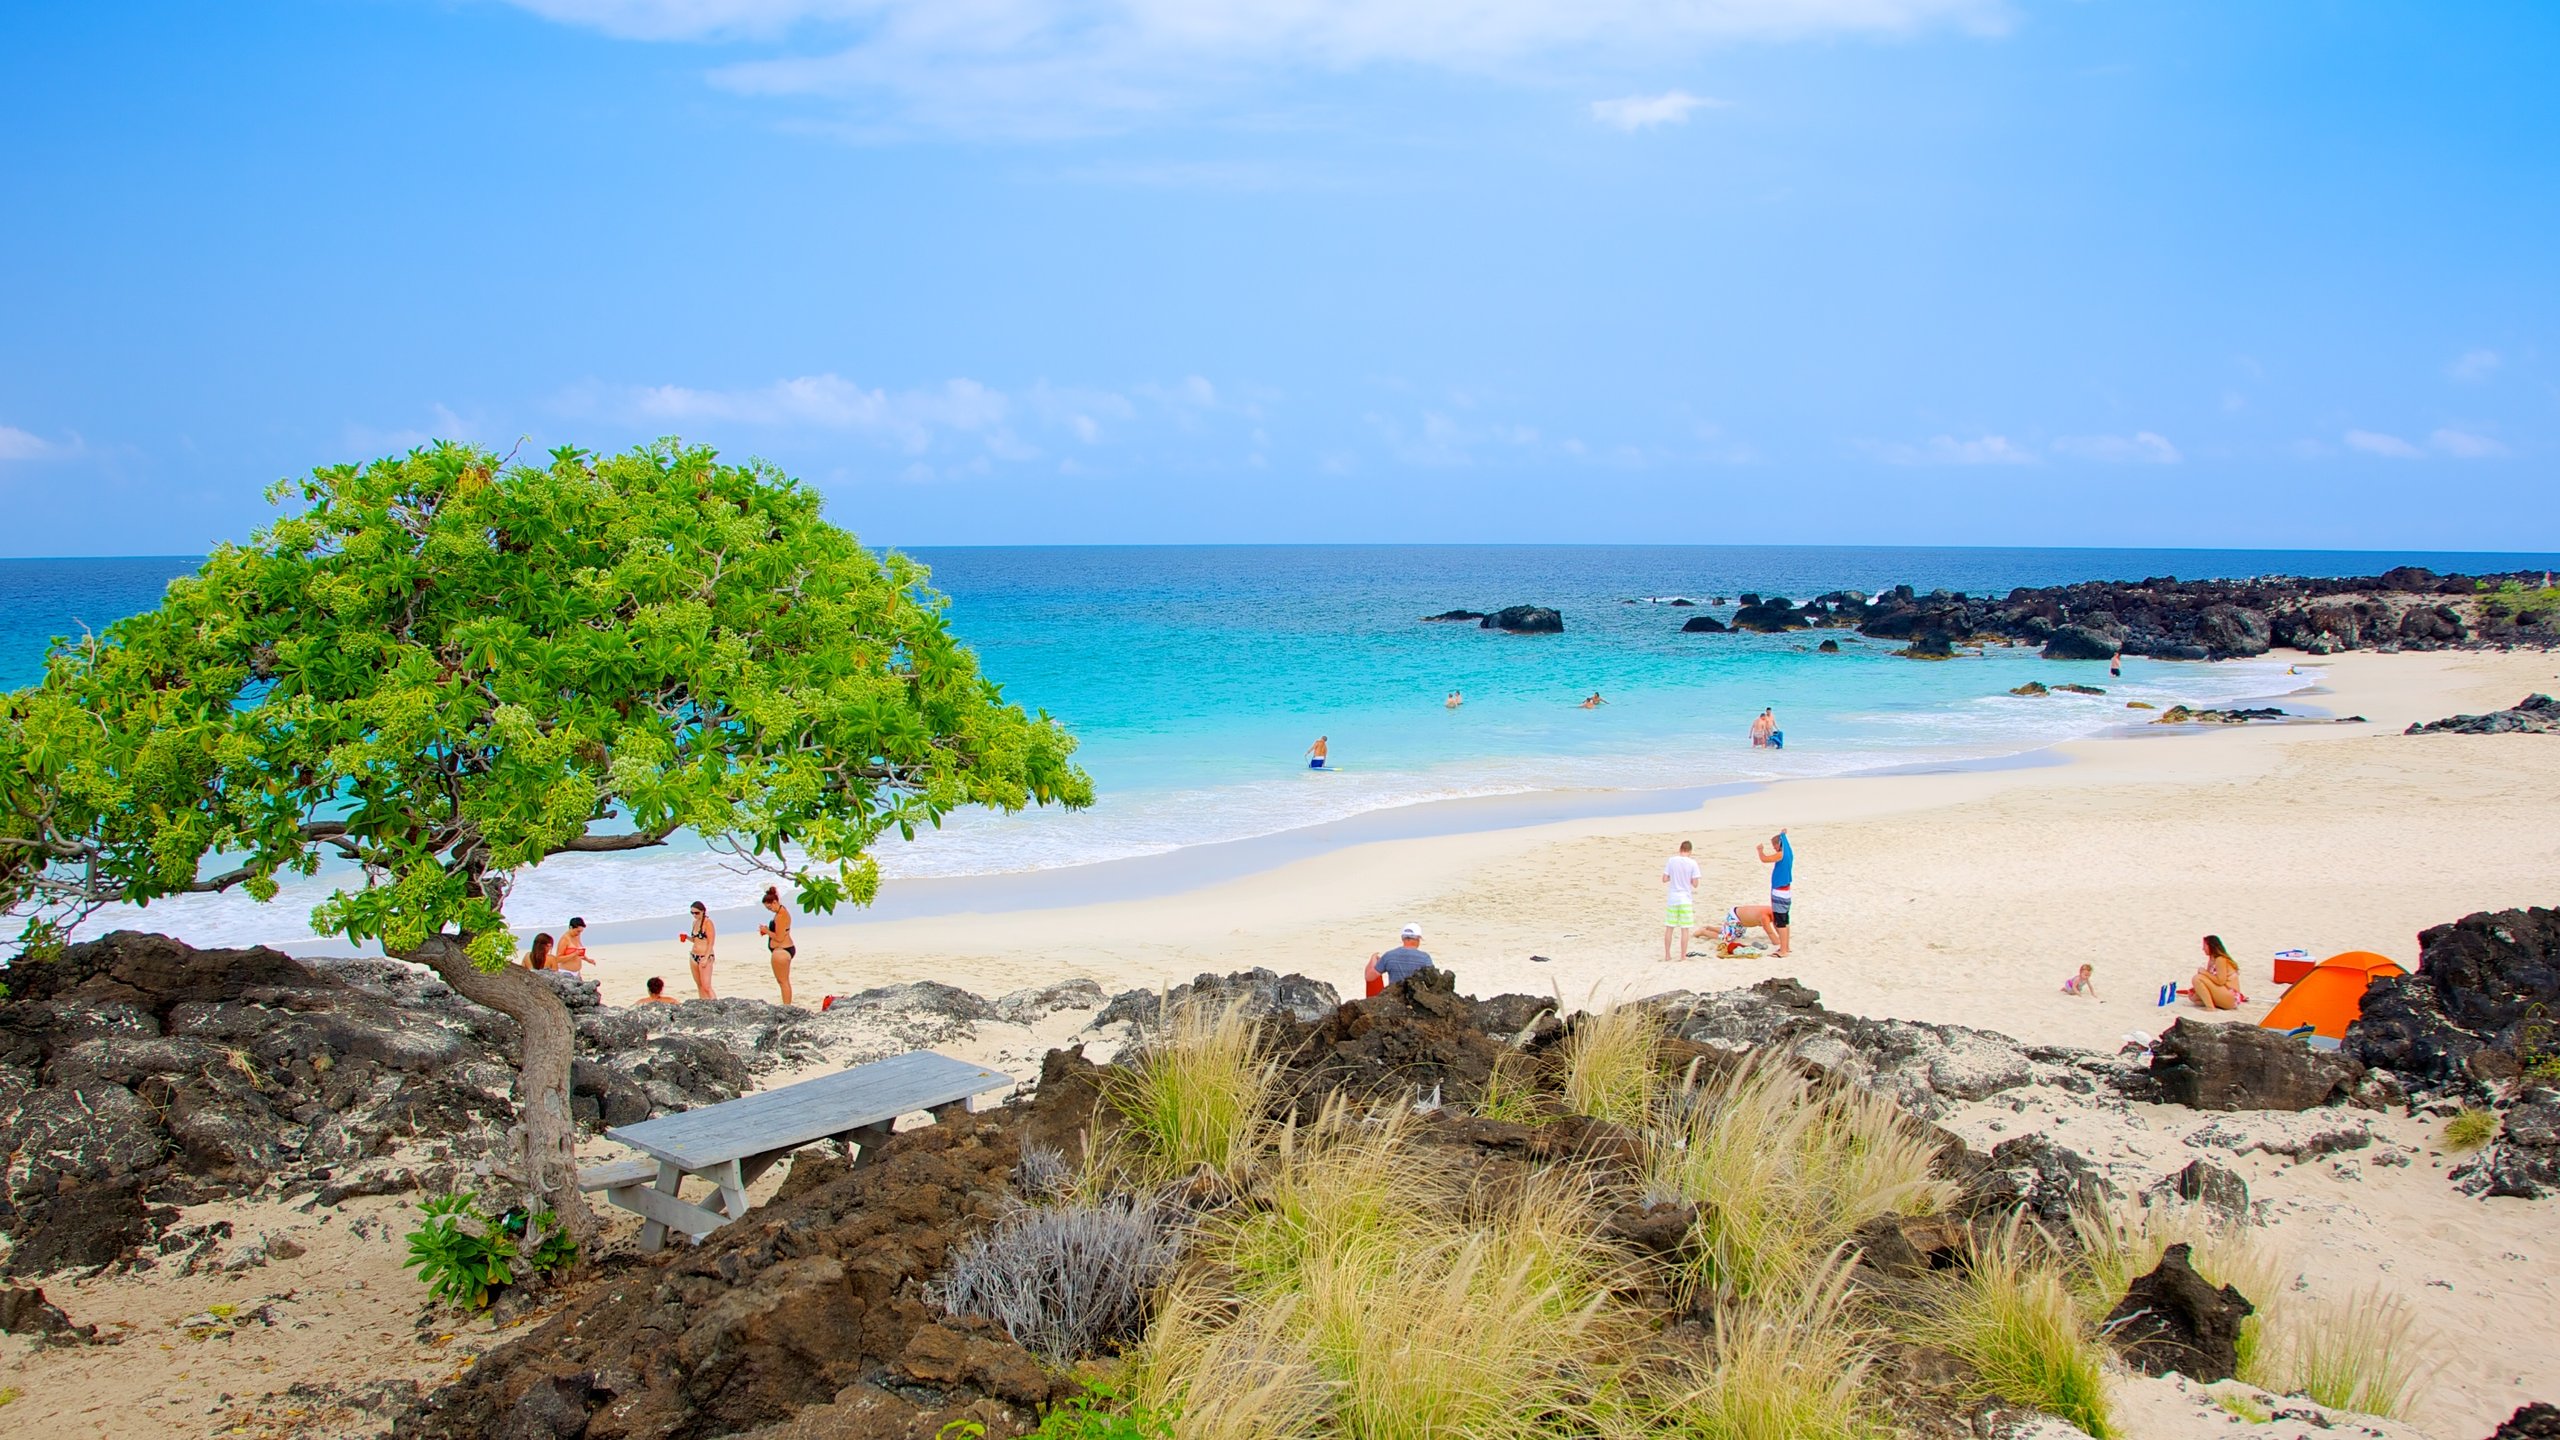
1196,677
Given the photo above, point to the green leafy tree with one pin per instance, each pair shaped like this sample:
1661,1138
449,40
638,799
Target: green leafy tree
448,668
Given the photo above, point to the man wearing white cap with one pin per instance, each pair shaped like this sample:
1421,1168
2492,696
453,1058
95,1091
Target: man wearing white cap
1401,963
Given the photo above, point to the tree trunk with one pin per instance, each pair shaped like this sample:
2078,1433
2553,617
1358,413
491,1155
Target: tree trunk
546,1133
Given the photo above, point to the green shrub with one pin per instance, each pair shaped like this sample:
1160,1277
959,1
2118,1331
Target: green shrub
466,1258
1614,1065
1199,1097
2010,1314
2470,1130
2363,1354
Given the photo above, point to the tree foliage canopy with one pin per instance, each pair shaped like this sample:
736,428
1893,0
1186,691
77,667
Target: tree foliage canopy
448,667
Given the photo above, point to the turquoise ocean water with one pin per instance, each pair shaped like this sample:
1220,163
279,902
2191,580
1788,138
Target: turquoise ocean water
1197,676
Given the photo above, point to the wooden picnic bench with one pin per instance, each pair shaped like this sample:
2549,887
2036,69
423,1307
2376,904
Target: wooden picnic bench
731,1143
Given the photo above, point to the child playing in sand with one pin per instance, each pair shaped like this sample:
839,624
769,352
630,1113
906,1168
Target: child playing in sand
2084,984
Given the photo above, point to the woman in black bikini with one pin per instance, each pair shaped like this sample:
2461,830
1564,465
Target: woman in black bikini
698,941
777,940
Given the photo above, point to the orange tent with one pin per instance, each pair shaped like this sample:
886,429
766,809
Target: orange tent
2331,997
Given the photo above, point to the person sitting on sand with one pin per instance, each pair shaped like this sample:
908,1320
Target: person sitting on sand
1315,754
777,940
2084,984
1595,702
2216,986
539,957
657,993
572,952
1454,701
1761,728
1402,963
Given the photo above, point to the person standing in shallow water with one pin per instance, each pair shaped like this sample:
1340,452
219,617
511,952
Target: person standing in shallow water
777,940
1316,754
698,943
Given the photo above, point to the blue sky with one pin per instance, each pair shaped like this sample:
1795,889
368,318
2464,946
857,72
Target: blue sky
1012,271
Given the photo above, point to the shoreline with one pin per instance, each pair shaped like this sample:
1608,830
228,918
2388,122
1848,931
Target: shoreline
1953,896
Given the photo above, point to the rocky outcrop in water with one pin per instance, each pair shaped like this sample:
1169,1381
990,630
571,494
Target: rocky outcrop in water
2533,715
2170,619
1524,620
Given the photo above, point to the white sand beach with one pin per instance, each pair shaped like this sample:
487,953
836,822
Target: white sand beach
1964,896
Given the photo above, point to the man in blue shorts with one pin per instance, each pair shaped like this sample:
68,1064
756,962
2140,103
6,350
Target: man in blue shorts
1780,857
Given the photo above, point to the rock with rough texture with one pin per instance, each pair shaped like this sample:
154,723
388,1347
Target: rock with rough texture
2533,715
1264,994
1038,1002
2523,1160
1702,625
2232,632
1924,1067
2210,1185
1453,615
2532,1421
1929,645
2050,1181
1524,620
1767,618
1828,647
2172,1320
25,1312
2031,688
2489,981
138,1073
2079,642
2209,1066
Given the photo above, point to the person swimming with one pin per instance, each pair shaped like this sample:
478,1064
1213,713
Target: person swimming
1454,701
1595,702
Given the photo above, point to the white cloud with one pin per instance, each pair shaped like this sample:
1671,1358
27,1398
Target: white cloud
2473,366
368,441
2389,447
1076,66
1643,112
909,419
2463,445
1949,450
2142,447
17,444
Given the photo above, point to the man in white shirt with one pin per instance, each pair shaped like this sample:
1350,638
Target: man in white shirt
1680,903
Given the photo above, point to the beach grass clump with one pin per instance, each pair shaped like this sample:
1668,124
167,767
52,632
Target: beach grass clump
2242,1405
1369,1279
1508,1096
2009,1312
2365,1353
1613,1065
1794,1367
2470,1129
1066,1281
1199,1097
2117,1247
1783,1172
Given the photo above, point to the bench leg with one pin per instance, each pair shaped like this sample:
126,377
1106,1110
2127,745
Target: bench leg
653,1235
951,1114
870,1138
732,1181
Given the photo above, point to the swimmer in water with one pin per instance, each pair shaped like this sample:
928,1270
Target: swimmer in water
1454,701
1595,702
1315,754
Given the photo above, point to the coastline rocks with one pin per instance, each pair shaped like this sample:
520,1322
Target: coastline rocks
2181,715
2069,689
1922,1066
138,1073
2210,1185
1702,625
25,1312
1453,615
1935,645
2030,688
2524,1160
2482,983
1524,620
2230,632
1827,647
2078,642
2173,1320
1769,617
1263,993
2239,1066
2052,1182
2533,715
2532,1421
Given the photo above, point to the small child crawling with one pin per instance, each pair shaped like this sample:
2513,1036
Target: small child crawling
2084,984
